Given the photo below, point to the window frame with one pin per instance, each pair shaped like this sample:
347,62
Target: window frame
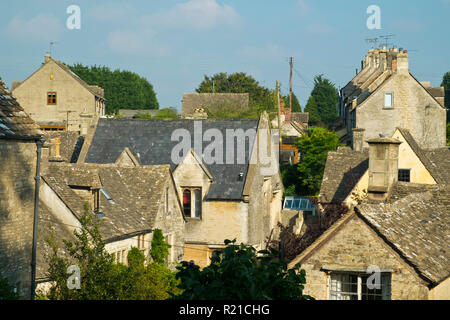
392,100
404,170
384,292
49,98
193,202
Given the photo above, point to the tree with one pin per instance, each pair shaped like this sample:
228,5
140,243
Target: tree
295,103
313,148
100,277
239,272
123,89
166,113
446,84
7,291
311,108
260,98
160,249
325,97
448,134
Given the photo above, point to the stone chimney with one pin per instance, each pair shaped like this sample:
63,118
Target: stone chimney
85,121
402,62
55,150
199,113
383,166
47,57
358,138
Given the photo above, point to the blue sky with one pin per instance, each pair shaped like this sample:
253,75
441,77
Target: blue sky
174,43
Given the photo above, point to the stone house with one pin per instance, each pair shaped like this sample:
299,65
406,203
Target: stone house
20,147
129,202
229,193
384,95
57,99
212,102
398,231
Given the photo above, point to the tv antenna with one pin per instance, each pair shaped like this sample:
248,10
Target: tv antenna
52,43
385,38
373,42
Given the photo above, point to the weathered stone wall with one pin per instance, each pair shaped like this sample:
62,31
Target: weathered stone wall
413,109
71,95
356,246
18,168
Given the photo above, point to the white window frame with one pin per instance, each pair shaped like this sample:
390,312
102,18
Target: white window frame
391,94
193,202
338,294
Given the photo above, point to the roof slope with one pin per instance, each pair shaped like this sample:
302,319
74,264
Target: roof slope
14,121
415,221
213,101
136,193
150,141
343,170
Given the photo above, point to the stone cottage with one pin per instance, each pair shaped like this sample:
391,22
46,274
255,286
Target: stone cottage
20,147
391,244
384,95
57,99
227,188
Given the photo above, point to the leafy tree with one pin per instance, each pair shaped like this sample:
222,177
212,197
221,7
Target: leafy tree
295,103
260,98
448,134
446,84
313,148
326,97
239,272
166,113
7,291
123,89
314,116
101,277
160,249
140,115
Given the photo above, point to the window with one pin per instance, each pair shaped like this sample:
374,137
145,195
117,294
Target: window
388,100
345,286
96,195
121,256
404,175
141,243
51,97
192,202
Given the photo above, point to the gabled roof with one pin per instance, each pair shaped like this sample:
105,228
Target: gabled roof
414,220
14,121
150,141
213,101
136,193
343,169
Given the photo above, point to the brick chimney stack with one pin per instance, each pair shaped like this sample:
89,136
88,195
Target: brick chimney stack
383,166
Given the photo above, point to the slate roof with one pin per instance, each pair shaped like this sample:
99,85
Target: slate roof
14,121
136,193
213,101
150,142
343,170
415,221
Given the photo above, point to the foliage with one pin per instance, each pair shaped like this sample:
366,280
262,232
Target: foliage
123,89
160,249
140,115
295,103
101,277
325,97
7,291
448,134
260,98
446,84
311,107
306,176
239,272
166,113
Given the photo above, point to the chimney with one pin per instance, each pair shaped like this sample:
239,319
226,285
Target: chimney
85,121
55,150
47,57
402,62
383,166
358,138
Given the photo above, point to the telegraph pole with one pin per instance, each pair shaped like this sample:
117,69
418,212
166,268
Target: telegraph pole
279,119
290,85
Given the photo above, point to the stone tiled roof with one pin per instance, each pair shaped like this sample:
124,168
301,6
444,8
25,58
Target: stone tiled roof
150,142
415,221
71,144
343,170
14,121
136,193
302,117
213,101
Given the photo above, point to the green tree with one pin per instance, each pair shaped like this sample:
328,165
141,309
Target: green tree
295,103
123,89
166,113
260,98
311,108
326,97
446,84
448,134
239,272
160,249
7,291
313,148
140,115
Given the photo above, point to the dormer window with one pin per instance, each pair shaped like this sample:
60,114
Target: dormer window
192,202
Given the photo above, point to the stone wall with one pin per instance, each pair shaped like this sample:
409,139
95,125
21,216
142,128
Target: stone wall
18,167
356,246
